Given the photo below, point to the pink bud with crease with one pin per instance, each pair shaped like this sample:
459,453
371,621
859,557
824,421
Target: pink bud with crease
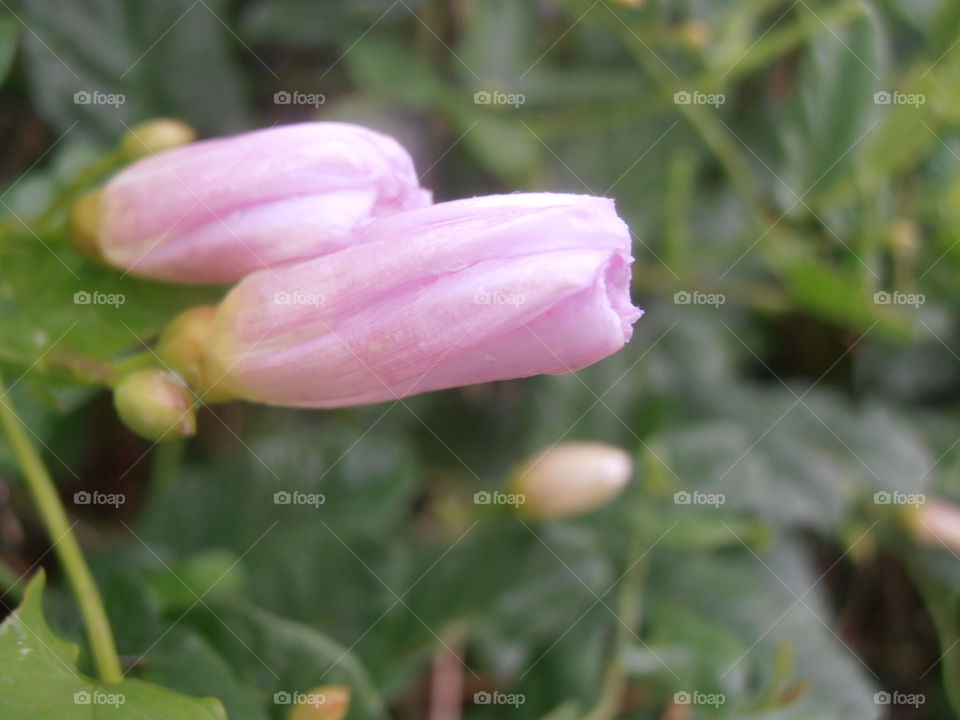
458,293
216,210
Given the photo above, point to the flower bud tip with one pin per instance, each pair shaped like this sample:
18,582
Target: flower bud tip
155,136
84,223
155,405
327,702
572,479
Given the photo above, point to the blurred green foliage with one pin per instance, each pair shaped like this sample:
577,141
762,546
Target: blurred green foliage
767,368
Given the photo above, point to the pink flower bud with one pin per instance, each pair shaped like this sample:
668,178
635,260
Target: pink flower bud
571,479
463,292
936,523
216,210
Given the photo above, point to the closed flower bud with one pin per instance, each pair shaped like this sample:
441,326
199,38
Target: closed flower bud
327,702
571,479
216,210
155,405
183,347
454,294
83,223
936,523
154,136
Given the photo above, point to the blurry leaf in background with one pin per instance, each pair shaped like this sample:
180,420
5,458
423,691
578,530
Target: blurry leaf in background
753,605
311,23
833,108
105,65
9,35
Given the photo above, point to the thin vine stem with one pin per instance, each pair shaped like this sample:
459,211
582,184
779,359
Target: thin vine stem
65,544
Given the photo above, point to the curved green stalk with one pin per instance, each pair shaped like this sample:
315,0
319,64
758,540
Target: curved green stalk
65,543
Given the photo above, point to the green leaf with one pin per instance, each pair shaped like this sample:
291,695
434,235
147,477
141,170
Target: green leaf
157,59
54,305
834,106
40,678
387,68
309,23
283,656
751,615
185,662
9,35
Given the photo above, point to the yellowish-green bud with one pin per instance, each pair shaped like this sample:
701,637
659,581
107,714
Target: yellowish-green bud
327,702
154,136
183,348
84,224
694,35
156,405
571,479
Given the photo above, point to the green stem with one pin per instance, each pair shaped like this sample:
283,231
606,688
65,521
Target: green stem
628,623
167,459
65,543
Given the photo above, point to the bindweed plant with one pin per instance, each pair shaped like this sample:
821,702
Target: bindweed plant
345,409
